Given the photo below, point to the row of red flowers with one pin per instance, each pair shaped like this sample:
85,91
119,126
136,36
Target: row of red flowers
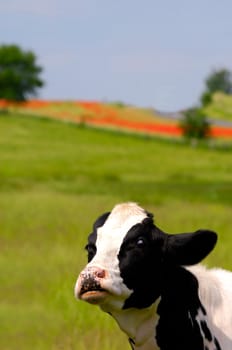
100,114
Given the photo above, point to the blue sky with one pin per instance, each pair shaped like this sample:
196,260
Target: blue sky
153,53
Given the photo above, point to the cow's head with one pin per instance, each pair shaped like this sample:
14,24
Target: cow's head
127,257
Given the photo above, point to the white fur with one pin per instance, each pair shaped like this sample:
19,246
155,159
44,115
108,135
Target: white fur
215,292
139,325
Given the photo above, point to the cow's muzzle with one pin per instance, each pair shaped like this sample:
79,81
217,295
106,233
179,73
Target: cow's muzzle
89,285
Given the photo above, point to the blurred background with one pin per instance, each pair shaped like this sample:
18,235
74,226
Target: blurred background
103,102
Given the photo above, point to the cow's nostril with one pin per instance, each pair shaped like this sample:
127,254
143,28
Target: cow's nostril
100,273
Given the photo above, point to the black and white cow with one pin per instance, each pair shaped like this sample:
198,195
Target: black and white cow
138,274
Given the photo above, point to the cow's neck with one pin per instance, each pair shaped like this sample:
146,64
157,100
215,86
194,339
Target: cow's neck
172,321
139,325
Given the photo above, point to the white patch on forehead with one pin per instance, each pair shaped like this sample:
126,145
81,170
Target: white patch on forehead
124,216
111,234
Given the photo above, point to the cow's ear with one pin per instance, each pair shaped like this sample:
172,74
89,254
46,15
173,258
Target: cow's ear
189,248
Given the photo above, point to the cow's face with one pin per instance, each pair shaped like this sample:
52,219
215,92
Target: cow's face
127,257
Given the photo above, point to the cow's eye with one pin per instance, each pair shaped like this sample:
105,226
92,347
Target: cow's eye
140,242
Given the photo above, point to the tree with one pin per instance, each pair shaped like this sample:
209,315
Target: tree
19,73
219,80
206,98
194,124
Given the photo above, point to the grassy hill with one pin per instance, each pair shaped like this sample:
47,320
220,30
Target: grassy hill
55,179
79,111
117,116
220,108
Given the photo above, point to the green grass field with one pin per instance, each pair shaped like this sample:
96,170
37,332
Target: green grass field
55,179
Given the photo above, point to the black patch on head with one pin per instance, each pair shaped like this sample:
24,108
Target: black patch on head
140,263
91,246
177,327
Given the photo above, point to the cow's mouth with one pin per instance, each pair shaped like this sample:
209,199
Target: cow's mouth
92,291
94,296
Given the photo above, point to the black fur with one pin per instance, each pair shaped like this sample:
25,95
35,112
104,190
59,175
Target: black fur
217,344
140,263
190,248
177,327
206,331
91,246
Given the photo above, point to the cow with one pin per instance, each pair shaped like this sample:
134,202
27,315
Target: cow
152,284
